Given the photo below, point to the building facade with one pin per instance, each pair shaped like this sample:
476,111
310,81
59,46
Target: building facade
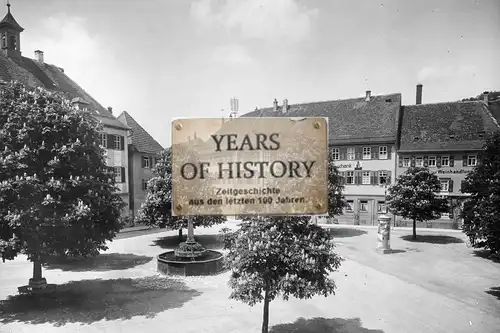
448,139
37,73
362,138
142,155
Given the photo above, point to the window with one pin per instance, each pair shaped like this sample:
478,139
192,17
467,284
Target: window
445,185
363,206
419,161
432,161
349,177
471,160
118,174
144,185
104,140
350,206
365,180
367,153
381,207
382,177
406,162
336,154
145,162
445,161
351,153
382,152
117,144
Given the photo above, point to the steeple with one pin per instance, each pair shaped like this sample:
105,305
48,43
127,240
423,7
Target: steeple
10,31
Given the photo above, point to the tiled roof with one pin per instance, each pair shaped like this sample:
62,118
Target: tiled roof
141,139
351,120
35,74
445,126
9,20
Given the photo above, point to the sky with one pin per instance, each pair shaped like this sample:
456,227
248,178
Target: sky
165,59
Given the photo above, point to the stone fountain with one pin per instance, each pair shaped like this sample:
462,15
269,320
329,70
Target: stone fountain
190,258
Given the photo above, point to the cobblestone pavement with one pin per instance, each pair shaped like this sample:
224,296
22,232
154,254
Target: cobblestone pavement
437,285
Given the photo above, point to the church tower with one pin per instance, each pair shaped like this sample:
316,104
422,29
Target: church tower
10,31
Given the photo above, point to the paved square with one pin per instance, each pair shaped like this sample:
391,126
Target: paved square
432,286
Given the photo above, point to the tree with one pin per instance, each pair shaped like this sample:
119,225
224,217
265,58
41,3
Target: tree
271,256
57,197
279,256
413,196
157,207
482,210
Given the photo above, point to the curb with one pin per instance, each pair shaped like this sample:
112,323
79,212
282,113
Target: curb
392,228
132,229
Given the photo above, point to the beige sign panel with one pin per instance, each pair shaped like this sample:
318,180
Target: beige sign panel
247,166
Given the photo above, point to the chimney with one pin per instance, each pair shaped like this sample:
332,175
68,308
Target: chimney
110,109
285,105
419,94
39,56
275,105
368,95
486,97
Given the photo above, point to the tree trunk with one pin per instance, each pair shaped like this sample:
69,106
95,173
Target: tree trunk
265,317
37,282
180,234
414,229
37,270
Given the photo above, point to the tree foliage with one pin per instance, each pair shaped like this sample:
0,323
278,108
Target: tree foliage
482,210
280,256
56,195
157,207
414,196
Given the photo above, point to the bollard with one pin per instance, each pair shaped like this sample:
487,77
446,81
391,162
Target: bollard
384,234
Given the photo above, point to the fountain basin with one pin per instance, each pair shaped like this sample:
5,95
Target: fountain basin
209,263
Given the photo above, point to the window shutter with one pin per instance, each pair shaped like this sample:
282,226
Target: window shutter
143,162
450,185
412,163
122,142
452,160
110,138
389,152
342,178
111,170
464,160
150,162
400,158
388,181
426,161
357,176
438,161
358,152
343,153
374,152
123,174
462,185
372,177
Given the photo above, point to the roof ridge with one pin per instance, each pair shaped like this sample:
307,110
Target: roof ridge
438,103
327,101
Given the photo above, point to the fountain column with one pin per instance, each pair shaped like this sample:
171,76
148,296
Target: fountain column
190,235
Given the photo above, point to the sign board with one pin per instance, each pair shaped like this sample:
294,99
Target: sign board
249,166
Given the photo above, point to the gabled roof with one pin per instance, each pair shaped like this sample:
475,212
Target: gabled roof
446,126
350,120
141,139
9,21
35,74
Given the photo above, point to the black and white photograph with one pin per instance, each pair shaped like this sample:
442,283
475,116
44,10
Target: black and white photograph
250,166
